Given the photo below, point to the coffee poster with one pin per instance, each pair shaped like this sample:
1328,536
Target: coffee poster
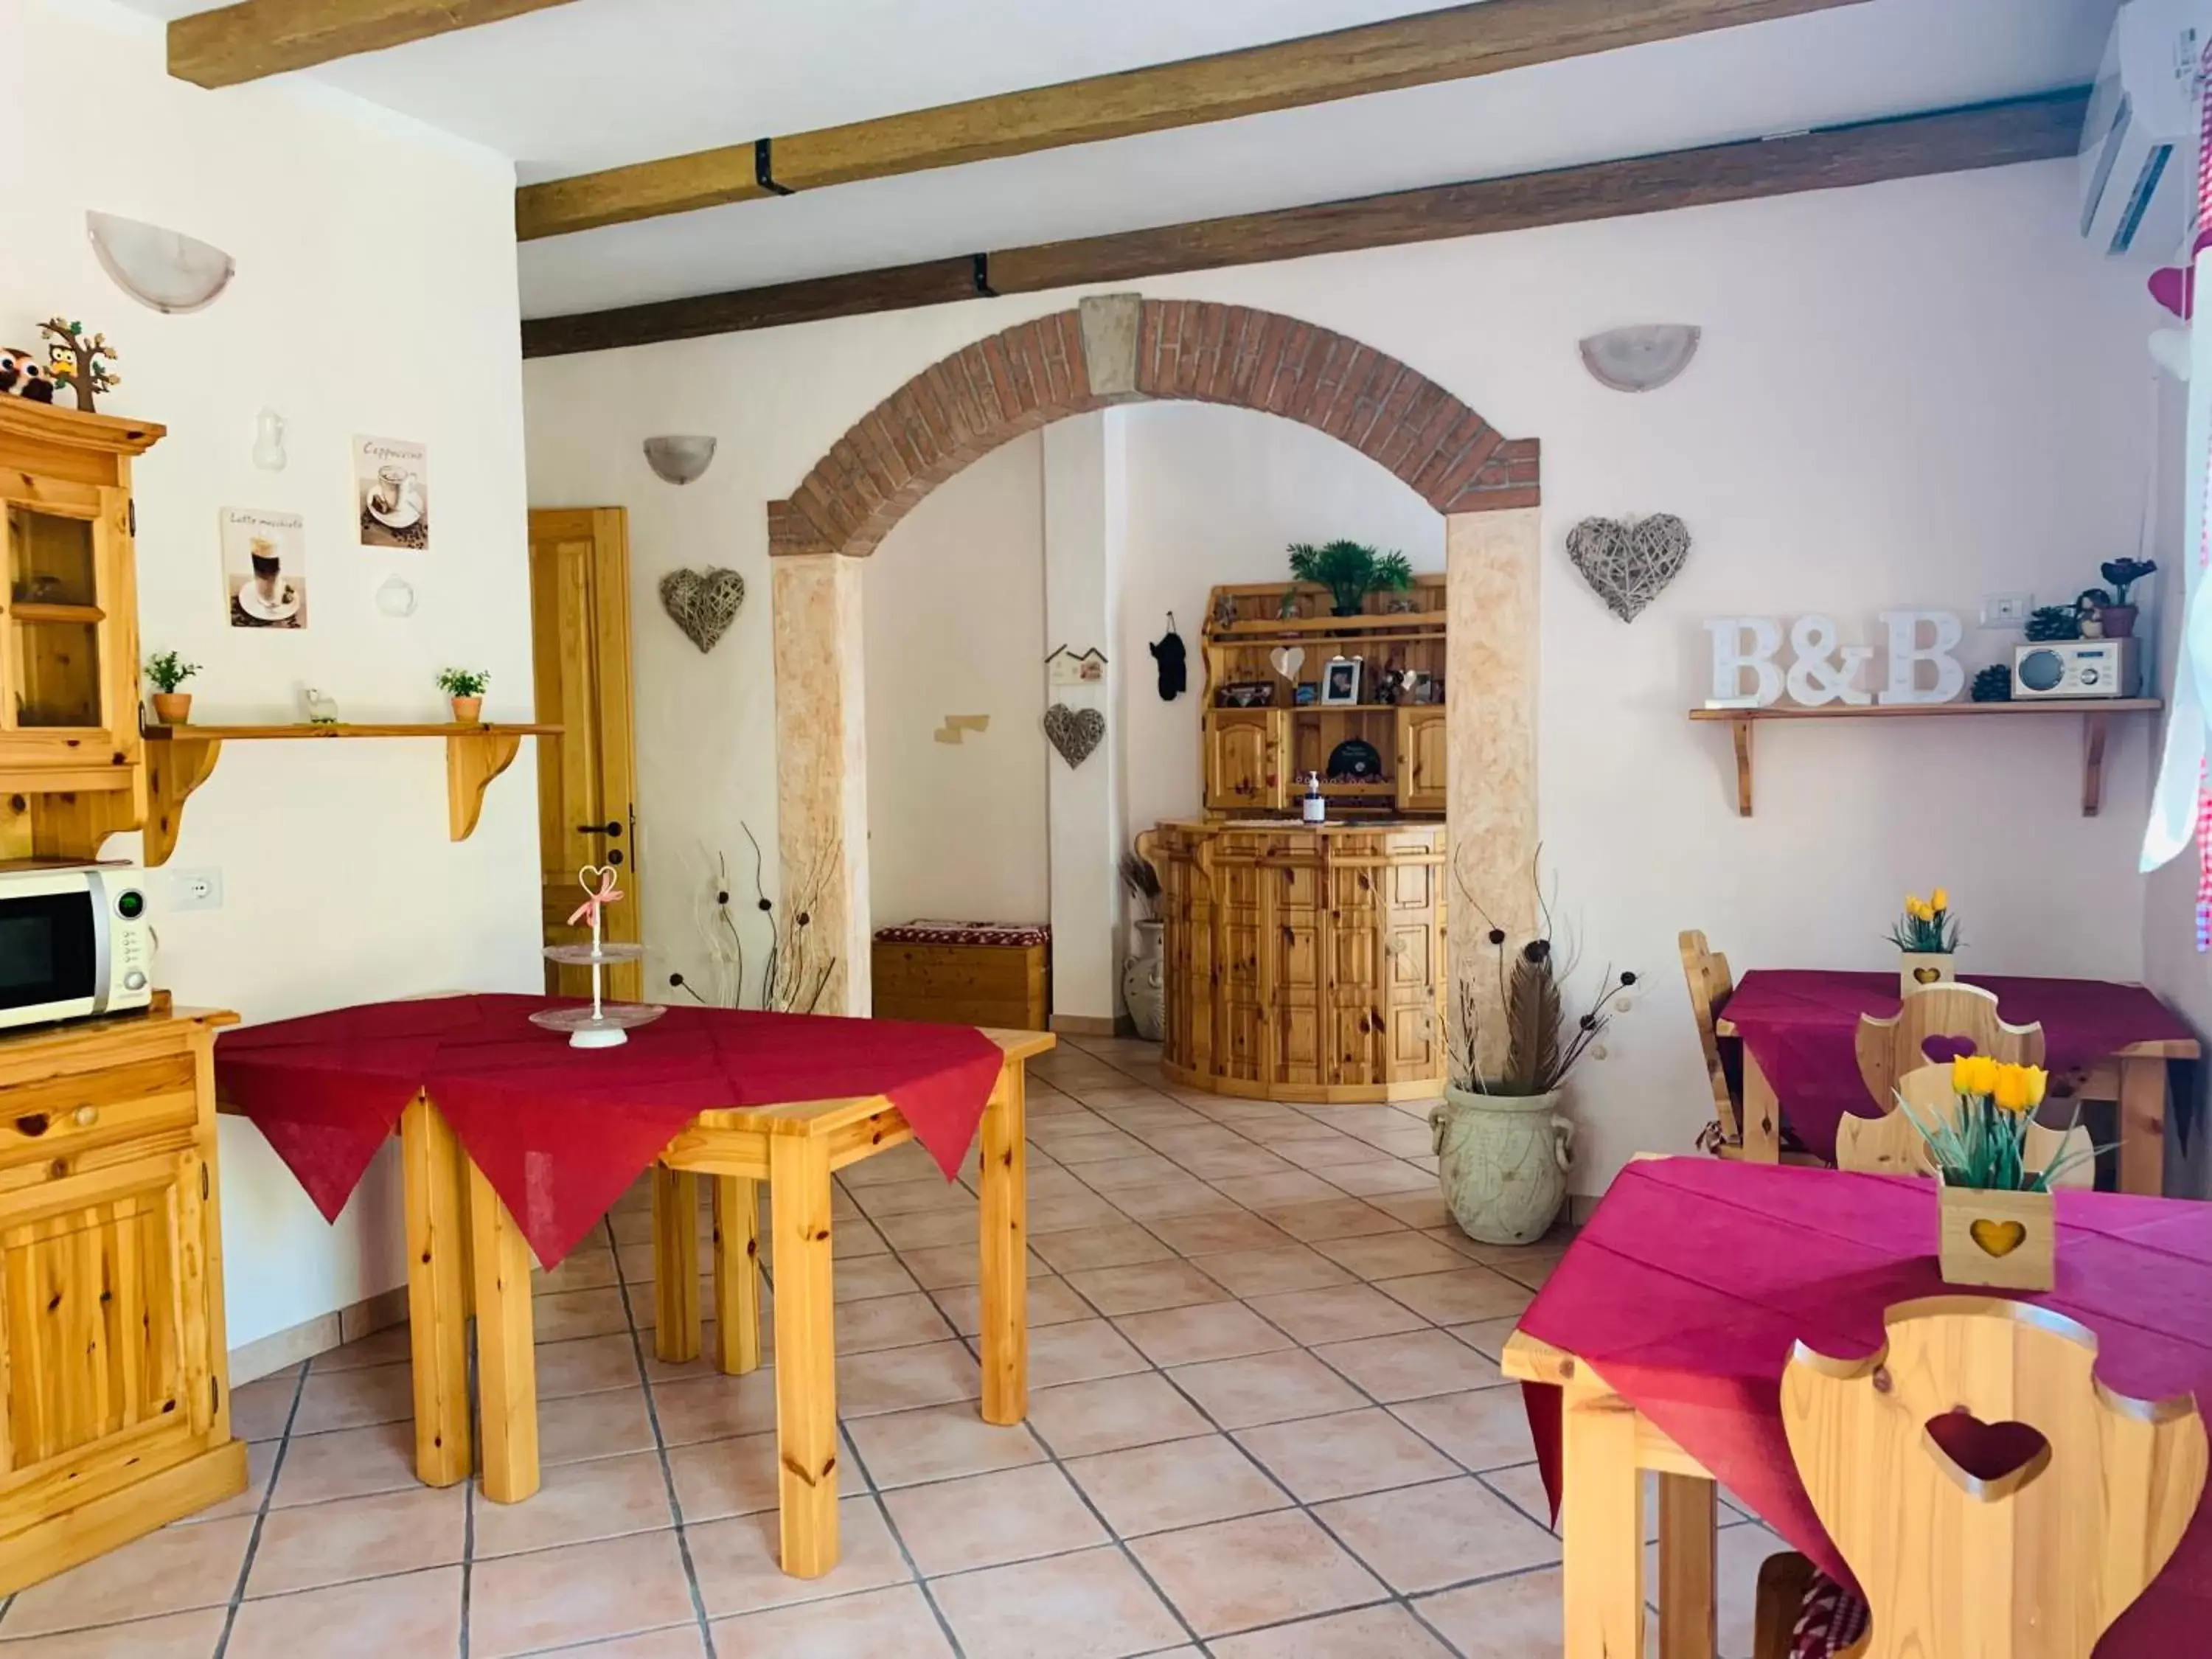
264,568
392,483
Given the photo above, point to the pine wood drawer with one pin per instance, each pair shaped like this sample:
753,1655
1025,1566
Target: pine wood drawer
66,1117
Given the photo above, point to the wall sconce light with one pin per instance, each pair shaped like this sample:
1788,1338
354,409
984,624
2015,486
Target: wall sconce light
1643,358
164,269
678,460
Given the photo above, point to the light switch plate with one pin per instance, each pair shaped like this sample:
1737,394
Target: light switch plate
195,890
2006,610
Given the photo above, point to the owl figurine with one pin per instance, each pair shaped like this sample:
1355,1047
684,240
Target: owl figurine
322,710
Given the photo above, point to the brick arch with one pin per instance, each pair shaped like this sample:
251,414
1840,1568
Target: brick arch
1121,348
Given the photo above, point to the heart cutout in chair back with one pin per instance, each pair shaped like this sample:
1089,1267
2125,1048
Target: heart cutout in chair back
1990,1460
1997,1238
1943,1050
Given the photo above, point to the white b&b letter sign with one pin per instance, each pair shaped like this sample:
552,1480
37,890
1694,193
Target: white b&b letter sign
1907,654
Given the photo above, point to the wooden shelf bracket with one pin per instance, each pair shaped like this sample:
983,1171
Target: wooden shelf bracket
473,759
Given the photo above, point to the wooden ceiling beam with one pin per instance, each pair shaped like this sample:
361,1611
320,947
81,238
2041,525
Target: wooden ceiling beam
1451,44
1950,141
256,38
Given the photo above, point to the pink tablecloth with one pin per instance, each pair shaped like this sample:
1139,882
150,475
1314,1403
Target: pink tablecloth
1695,1278
561,1132
1801,1025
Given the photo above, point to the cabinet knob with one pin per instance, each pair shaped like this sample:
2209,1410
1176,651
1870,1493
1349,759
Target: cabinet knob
87,1116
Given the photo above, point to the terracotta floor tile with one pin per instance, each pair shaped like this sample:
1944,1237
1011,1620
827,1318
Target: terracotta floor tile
1385,1632
1461,1295
577,1502
1423,1538
1101,1247
388,1346
1077,1352
885,1623
1503,1619
1262,1570
1274,1192
1213,1330
1183,1195
174,1636
1322,1155
1362,1451
1213,1234
172,1570
900,1379
1532,1270
259,1410
1080,1418
1285,1267
1051,1302
929,1229
1522,1485
870,1276
260,1464
1269,1388
677,1642
936,1269
737,1476
715,1408
1485,1428
1093,1605
586,1364
1410,1365
581,1313
1139,1169
988,1520
1487,1337
1342,1314
1416,1209
390,1532
588,1269
587,1425
735,1561
888,1321
1105,1144
913,1197
610,1587
936,1442
346,1464
1148,1286
1235,1157
1392,1256
1380,1177
375,1619
1335,1217
1181,1482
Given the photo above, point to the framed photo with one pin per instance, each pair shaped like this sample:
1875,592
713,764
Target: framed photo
392,483
1339,682
264,568
1246,694
1307,693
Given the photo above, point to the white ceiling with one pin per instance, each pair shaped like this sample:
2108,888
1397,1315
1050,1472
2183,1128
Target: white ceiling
599,82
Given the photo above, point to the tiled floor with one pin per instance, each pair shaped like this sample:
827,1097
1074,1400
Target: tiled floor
1267,1422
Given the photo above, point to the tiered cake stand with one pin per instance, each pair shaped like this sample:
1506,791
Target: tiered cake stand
604,1024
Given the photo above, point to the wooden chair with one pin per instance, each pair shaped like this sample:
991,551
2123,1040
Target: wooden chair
2034,1561
1888,1048
1711,986
1889,1145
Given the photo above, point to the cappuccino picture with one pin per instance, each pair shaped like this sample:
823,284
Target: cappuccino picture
391,482
264,568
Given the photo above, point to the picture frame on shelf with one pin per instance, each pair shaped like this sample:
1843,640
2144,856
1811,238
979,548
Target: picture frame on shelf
1306,694
1246,694
1339,684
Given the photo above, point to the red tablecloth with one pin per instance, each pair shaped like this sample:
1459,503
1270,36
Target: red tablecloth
1695,1278
1801,1025
560,1133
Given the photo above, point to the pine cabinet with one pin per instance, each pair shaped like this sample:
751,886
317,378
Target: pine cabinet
1244,769
1422,736
114,1391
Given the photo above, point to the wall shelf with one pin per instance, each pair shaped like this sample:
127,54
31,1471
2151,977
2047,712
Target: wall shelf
2095,712
180,758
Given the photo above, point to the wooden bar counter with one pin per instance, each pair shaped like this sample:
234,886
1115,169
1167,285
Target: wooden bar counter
1303,962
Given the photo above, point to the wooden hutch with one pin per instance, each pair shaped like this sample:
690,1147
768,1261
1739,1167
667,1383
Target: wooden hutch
114,1384
1309,963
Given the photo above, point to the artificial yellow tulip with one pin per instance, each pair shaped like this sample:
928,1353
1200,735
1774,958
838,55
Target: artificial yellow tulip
1940,900
2011,1090
2037,1080
1974,1074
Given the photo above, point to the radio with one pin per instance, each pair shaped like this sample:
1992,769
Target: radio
2074,668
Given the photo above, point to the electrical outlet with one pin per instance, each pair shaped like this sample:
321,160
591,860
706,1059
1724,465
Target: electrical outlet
2006,610
196,890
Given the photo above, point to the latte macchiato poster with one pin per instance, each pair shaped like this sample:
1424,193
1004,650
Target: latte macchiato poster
391,484
264,568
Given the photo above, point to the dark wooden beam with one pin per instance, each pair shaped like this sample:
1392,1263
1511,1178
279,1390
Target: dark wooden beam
1951,140
253,38
1450,44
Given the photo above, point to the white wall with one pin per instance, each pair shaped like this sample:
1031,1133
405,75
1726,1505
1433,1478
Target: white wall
955,625
375,293
1909,393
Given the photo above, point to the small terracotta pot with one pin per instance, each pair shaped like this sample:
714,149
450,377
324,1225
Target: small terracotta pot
468,711
173,707
2119,621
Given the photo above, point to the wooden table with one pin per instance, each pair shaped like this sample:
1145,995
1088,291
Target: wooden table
465,1257
1605,1446
2133,1078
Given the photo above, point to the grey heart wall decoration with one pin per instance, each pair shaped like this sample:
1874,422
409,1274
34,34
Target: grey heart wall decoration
1074,731
702,602
1628,563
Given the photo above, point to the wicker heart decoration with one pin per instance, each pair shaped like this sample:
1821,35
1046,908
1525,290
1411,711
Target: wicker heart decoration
1074,731
1288,659
703,603
1628,563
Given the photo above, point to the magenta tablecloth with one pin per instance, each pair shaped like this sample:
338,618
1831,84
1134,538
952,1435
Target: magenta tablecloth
1695,1276
1801,1025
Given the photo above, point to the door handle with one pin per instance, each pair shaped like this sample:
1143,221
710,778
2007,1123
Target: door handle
611,827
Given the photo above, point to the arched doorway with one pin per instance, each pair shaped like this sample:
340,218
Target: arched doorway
1121,348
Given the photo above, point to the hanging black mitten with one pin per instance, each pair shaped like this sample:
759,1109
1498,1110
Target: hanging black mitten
1167,651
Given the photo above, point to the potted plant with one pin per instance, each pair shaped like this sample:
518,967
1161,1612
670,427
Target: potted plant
1144,991
165,671
466,686
1351,571
2119,616
1503,1151
1995,1219
1926,937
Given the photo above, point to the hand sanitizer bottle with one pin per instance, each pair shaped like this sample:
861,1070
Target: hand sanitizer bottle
1315,809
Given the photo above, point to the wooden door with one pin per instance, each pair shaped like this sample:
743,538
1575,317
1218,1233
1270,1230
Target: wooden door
1243,760
1422,748
586,776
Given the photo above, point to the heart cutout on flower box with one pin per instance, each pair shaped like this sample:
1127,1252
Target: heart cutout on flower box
1997,1238
1074,731
1628,563
702,602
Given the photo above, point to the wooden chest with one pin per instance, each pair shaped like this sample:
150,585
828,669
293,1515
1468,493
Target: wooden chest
964,974
114,1384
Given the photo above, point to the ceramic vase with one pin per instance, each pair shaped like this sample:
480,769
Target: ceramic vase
1502,1163
1916,968
173,707
468,711
2007,1240
1144,989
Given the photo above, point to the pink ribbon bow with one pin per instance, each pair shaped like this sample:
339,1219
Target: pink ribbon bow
588,911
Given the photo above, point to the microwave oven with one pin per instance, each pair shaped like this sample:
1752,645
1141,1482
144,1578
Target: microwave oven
73,942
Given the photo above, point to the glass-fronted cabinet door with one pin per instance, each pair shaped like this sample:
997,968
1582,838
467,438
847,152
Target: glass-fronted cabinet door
67,637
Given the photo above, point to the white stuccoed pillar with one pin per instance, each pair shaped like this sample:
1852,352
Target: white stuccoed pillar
1086,531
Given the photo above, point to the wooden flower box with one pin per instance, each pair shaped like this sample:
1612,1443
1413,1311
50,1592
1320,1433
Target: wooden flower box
2004,1240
